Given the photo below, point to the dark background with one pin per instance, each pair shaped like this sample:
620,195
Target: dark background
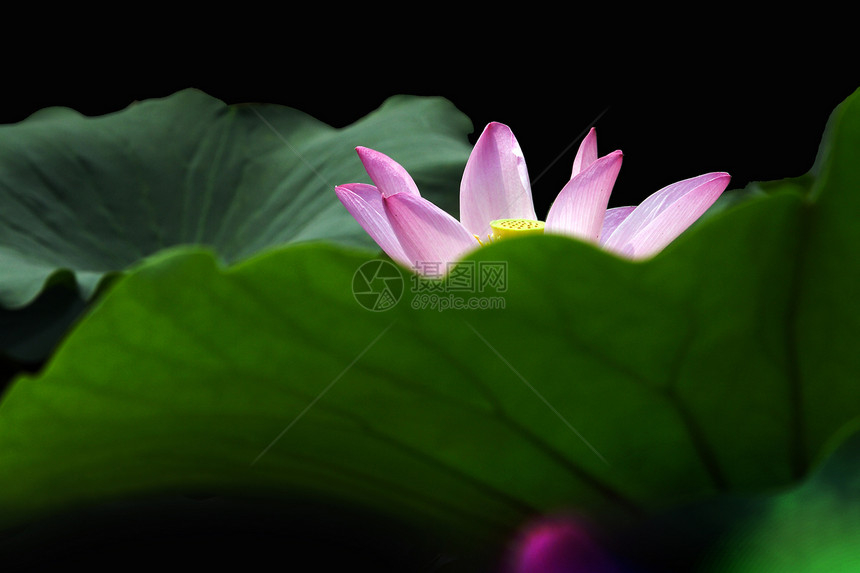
677,104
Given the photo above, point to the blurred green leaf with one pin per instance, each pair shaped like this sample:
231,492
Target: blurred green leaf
89,196
810,528
807,527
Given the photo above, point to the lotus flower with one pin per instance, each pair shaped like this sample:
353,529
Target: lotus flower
496,203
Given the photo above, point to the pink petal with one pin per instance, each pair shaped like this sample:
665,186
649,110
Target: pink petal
611,220
388,175
495,183
665,215
587,153
579,208
365,203
427,234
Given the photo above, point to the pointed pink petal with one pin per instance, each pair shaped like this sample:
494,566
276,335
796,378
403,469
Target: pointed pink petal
495,183
666,214
388,175
579,208
365,203
611,220
587,153
427,234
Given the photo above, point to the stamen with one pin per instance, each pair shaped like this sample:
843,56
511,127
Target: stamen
506,228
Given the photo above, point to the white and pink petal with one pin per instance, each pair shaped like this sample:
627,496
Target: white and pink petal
427,234
663,216
366,204
495,183
579,209
611,220
388,175
586,154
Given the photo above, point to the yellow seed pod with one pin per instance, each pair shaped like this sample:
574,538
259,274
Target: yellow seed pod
506,228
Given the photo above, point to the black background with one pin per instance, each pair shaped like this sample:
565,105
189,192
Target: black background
680,95
678,102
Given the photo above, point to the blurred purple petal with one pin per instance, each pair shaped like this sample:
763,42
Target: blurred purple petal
559,546
495,183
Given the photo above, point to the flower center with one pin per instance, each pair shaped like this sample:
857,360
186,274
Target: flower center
506,228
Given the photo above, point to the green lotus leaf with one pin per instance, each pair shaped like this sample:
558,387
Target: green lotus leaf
91,196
